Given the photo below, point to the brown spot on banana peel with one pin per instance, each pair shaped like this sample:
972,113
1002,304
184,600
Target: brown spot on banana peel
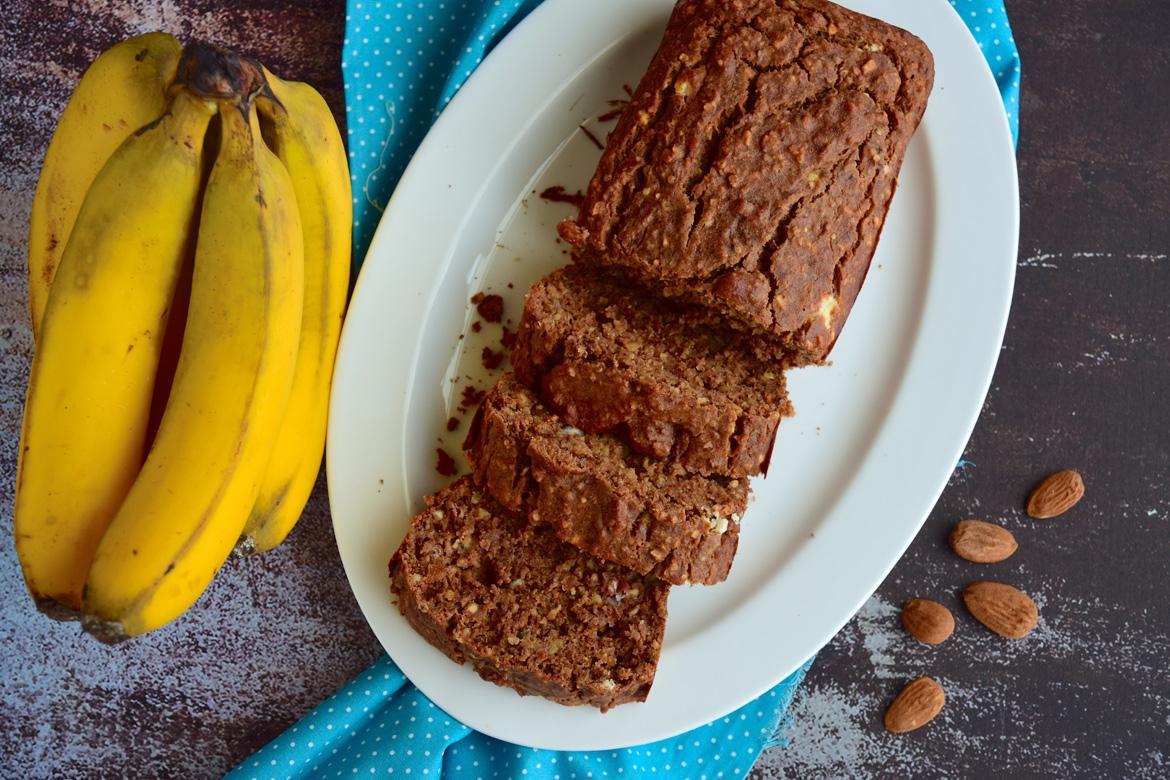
278,499
146,128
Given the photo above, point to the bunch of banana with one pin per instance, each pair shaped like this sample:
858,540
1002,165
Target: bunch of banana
188,268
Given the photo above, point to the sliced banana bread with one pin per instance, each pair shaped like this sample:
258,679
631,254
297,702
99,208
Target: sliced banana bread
600,496
754,165
528,611
673,381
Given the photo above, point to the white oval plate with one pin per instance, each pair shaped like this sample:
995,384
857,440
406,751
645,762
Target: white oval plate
855,473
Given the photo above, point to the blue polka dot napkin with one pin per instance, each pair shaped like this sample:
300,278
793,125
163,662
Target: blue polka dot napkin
382,725
403,62
988,22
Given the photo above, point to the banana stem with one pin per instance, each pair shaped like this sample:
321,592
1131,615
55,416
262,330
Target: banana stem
216,73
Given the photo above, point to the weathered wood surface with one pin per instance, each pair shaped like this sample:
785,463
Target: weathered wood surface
1081,383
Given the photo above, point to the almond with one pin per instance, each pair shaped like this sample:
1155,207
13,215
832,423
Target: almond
1056,494
1004,609
928,621
980,542
915,706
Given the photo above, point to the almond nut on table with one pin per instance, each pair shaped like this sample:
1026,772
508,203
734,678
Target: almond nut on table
915,706
1005,610
928,621
1056,494
981,542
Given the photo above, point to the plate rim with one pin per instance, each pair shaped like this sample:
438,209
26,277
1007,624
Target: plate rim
994,322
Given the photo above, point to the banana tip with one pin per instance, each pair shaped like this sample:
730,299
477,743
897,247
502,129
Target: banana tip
51,608
245,547
109,632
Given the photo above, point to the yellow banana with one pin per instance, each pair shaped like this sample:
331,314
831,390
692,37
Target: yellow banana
89,392
306,140
122,90
189,504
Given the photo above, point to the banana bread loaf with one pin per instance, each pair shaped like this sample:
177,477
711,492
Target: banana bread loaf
528,611
599,496
671,380
753,168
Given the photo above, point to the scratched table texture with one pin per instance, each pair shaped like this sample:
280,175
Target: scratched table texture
1081,383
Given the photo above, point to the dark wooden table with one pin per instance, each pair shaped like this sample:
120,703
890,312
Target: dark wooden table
1081,383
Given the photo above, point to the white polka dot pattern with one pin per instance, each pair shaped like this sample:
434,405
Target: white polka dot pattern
403,62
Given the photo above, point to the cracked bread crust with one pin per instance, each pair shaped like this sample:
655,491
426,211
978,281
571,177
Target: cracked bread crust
528,611
672,381
754,166
599,496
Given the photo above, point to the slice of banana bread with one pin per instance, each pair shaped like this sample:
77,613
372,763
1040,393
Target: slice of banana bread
673,381
753,168
527,610
600,496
